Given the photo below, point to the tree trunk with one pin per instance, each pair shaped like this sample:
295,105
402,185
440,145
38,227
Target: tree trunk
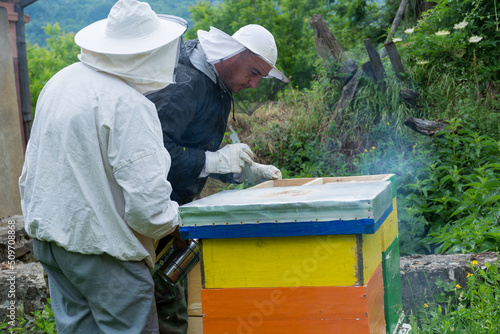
346,72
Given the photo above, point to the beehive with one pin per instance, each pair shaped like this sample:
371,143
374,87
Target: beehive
326,246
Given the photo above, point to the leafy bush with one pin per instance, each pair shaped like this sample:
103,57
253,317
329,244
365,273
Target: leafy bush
457,195
456,42
481,116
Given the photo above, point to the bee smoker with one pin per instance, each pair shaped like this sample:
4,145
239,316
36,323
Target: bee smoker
178,265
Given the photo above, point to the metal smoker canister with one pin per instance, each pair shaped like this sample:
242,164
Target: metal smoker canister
174,271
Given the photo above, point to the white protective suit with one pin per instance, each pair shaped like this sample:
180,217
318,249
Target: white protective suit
95,174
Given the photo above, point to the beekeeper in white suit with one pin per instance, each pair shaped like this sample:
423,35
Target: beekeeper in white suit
94,186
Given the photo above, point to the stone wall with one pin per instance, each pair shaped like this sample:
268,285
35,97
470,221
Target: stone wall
24,287
420,272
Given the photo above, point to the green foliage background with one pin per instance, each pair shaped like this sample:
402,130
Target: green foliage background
350,21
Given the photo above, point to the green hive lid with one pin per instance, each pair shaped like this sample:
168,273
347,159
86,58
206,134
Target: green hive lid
331,208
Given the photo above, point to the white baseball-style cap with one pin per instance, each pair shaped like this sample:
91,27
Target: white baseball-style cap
131,27
219,46
260,41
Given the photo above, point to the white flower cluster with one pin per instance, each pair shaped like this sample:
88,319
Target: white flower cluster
409,31
395,40
475,39
461,25
442,33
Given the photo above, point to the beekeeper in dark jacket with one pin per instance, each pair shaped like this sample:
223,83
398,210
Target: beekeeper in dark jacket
194,113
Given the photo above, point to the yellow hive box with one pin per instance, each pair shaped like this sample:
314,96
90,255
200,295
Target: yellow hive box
331,260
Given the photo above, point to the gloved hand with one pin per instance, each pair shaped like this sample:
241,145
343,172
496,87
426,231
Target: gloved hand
229,159
263,173
259,173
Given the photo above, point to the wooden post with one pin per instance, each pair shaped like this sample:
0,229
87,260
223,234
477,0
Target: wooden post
368,70
346,71
11,143
409,95
325,42
345,99
392,51
376,62
343,104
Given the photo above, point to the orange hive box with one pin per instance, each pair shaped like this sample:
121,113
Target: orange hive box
325,310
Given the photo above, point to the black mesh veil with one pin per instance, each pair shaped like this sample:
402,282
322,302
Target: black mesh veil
250,99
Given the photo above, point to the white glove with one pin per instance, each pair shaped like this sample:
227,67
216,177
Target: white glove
259,173
263,173
229,159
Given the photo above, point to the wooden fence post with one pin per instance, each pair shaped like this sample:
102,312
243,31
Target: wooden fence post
392,51
376,62
324,41
345,99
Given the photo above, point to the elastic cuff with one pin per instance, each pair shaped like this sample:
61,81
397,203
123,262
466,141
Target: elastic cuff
209,158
